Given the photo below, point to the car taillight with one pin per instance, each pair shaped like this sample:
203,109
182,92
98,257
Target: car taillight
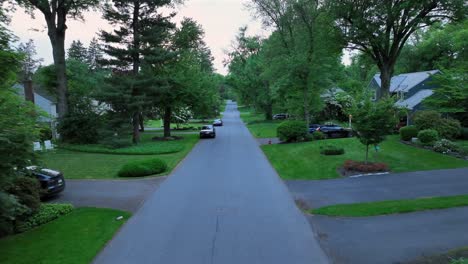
318,129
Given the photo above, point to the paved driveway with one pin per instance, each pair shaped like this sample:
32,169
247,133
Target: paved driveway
127,195
393,238
381,187
223,204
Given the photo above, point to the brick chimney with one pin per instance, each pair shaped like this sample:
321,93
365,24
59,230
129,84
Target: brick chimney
28,91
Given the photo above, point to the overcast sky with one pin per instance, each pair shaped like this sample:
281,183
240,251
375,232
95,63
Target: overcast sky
220,19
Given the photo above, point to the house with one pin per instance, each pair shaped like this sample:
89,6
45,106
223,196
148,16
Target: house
41,98
409,88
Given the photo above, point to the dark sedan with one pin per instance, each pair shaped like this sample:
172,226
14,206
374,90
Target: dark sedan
51,181
333,131
218,122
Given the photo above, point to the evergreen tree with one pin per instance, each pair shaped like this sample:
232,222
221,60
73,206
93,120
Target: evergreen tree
140,30
94,56
29,63
78,51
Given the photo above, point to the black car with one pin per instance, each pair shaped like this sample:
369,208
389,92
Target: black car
280,116
333,131
313,128
208,131
218,122
51,181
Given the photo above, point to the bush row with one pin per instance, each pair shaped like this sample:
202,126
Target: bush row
140,168
351,165
46,213
331,150
292,131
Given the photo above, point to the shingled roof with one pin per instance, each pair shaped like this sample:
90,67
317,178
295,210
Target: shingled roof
404,82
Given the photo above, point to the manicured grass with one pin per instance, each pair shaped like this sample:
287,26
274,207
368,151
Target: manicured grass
258,126
82,165
304,161
392,207
455,256
74,238
146,147
192,123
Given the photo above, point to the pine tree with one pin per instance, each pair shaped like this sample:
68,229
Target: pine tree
94,56
29,63
140,30
78,51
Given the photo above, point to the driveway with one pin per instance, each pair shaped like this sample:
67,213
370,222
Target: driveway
408,185
393,238
127,195
223,204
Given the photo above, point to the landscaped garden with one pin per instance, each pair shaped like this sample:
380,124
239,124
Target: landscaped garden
304,161
258,126
73,238
99,162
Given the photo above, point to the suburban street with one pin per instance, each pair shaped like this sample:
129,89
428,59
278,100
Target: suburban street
223,204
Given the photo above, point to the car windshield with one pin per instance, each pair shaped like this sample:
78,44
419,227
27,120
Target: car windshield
206,127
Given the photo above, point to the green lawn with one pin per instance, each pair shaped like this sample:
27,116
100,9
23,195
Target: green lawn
392,207
73,238
82,165
258,126
146,147
455,256
191,123
304,161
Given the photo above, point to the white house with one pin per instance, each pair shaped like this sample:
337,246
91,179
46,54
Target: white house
42,99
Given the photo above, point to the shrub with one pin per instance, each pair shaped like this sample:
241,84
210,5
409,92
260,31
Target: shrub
46,213
351,165
408,132
449,128
27,191
464,133
292,131
10,209
80,128
426,119
446,146
45,133
318,135
428,136
142,168
330,150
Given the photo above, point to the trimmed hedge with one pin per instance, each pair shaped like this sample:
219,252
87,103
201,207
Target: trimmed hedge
46,213
359,166
408,132
142,168
427,136
446,146
331,150
292,131
318,135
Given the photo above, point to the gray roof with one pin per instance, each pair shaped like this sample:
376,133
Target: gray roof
404,82
414,100
37,90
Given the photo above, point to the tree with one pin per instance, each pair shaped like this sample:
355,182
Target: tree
56,13
29,63
94,55
373,121
78,51
140,31
381,28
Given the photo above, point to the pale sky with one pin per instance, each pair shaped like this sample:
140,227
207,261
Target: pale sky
220,19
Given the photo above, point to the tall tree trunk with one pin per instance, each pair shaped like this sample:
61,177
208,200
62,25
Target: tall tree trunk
167,121
367,153
269,112
136,128
386,72
306,106
57,39
142,122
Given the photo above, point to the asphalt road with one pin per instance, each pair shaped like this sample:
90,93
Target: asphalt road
393,238
127,195
223,204
408,185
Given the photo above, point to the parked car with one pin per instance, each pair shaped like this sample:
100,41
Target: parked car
313,128
280,116
333,131
51,181
218,122
208,131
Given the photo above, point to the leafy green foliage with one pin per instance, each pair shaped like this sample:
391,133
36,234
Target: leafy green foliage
292,131
45,214
446,146
143,168
319,135
408,132
373,121
447,128
428,136
330,150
